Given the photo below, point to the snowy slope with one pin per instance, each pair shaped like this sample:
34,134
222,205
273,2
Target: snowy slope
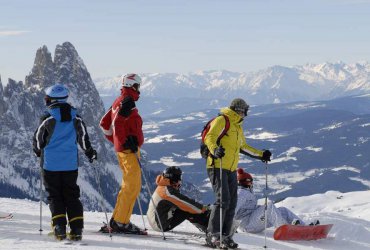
350,213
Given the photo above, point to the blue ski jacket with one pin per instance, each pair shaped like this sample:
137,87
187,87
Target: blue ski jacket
55,140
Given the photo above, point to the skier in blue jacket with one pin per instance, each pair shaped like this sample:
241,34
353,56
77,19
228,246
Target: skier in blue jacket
55,142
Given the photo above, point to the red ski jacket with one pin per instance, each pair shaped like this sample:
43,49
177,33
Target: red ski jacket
123,120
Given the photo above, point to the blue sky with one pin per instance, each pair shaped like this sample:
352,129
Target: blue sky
115,37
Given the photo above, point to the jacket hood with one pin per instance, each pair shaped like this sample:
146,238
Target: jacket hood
162,181
233,116
130,92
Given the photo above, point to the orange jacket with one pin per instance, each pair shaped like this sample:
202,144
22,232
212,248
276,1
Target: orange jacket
167,198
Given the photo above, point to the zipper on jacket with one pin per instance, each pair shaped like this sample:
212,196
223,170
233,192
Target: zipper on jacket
237,139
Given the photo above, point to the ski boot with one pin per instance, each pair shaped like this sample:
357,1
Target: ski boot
229,243
75,234
128,228
213,241
60,232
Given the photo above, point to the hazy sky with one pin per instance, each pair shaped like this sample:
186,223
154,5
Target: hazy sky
115,37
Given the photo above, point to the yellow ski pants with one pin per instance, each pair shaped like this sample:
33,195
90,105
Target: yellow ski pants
130,187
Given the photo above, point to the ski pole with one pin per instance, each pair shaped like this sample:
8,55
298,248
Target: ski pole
265,212
141,212
221,201
151,197
97,179
41,197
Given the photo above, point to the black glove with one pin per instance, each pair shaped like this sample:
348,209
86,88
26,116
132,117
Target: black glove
131,143
127,105
266,156
219,152
37,152
91,154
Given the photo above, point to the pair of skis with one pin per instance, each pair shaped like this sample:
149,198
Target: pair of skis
6,216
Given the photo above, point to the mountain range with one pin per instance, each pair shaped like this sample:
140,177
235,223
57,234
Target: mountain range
169,93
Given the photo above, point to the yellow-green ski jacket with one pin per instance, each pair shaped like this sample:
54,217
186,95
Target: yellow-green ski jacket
232,142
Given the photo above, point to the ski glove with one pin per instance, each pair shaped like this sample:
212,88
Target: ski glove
266,156
131,143
91,154
37,152
127,105
219,152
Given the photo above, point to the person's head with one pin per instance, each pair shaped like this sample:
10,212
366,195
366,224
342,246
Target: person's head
244,179
56,93
131,81
239,106
174,174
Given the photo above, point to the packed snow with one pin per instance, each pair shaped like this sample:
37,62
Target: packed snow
349,212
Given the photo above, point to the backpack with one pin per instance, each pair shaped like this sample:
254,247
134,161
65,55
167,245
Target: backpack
204,151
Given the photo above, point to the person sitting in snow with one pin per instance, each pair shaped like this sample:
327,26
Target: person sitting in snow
54,142
250,216
173,207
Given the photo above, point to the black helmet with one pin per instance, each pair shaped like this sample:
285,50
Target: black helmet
173,173
239,105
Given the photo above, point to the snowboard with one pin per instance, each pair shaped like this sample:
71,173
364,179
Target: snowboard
298,232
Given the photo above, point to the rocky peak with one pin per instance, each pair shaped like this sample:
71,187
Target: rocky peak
67,60
42,73
12,88
1,89
2,102
71,71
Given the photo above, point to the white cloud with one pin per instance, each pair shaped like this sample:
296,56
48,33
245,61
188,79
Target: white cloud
13,32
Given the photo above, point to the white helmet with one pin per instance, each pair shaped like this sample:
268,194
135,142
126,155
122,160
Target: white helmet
129,80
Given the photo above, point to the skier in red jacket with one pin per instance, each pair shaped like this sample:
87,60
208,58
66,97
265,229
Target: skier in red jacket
122,125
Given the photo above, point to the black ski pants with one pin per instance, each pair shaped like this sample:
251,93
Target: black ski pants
198,220
228,203
64,197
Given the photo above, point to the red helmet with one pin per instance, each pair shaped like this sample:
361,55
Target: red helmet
244,179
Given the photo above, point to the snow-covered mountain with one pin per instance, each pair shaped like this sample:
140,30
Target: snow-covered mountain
349,212
21,105
277,84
